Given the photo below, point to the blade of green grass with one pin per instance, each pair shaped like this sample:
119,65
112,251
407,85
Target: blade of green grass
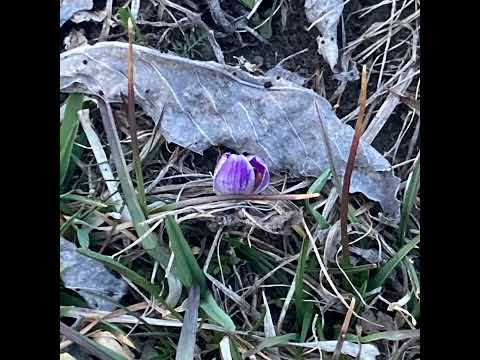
391,264
248,3
354,269
409,199
234,351
83,237
391,335
190,273
214,312
271,342
307,320
124,14
416,310
77,152
121,269
68,132
317,187
186,266
84,200
77,215
299,285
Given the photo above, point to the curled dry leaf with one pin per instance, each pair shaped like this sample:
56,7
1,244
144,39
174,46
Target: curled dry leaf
325,14
96,16
68,8
111,342
87,277
74,39
206,104
66,356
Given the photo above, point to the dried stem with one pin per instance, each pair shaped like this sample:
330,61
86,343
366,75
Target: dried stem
133,122
214,198
343,330
349,170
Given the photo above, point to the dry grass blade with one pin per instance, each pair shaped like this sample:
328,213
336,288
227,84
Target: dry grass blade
102,160
150,242
215,198
186,343
132,121
349,170
344,329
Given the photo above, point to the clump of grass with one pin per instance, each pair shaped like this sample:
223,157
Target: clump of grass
203,270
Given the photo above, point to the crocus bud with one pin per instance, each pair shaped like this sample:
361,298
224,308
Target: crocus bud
239,174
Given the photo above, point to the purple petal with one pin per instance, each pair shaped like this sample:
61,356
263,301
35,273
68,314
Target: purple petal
262,176
220,162
234,175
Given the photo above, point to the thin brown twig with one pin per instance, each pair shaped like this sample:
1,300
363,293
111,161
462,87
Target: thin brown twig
349,169
132,122
343,330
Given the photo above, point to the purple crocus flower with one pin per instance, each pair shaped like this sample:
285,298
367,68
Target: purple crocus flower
240,174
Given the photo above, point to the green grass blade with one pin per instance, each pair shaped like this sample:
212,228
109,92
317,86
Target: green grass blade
186,266
248,3
299,275
409,200
214,312
391,335
391,264
77,153
316,187
234,351
68,132
84,200
190,274
83,236
121,269
307,320
77,215
271,342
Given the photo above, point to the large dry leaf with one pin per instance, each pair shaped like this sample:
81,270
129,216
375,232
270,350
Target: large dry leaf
207,104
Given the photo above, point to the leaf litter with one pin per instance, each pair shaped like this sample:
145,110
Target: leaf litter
69,8
89,277
207,104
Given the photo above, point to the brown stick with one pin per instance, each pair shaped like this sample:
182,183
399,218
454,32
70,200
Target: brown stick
343,331
349,170
132,122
